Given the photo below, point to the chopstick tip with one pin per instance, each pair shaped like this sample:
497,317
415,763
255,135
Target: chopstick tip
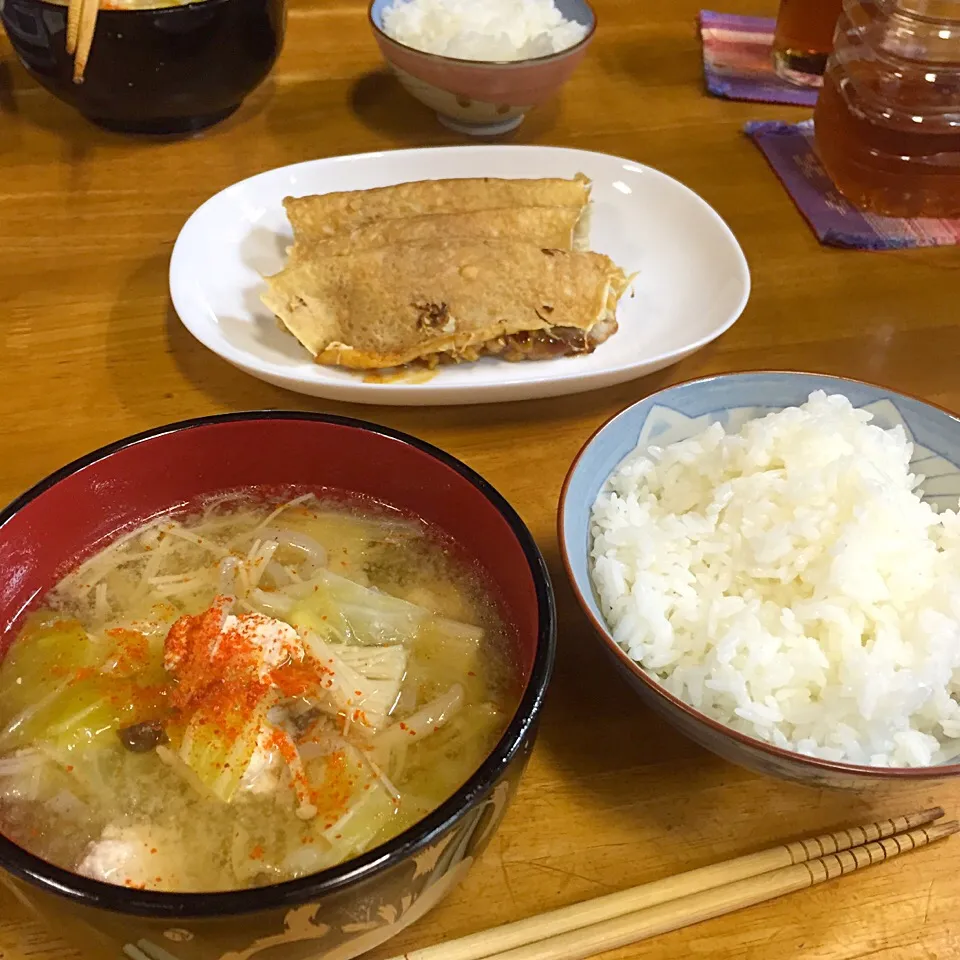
938,831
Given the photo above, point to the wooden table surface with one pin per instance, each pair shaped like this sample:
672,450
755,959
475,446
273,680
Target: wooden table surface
92,351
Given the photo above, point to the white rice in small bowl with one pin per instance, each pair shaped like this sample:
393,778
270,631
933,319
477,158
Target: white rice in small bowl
491,30
786,579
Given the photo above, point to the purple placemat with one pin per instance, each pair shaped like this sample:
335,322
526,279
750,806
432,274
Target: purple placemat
737,60
788,148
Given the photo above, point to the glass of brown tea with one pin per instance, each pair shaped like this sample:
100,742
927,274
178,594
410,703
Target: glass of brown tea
803,39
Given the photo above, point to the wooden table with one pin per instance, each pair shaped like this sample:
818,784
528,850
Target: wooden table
92,351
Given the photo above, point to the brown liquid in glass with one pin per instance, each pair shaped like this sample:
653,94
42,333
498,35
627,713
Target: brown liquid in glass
888,116
803,37
806,26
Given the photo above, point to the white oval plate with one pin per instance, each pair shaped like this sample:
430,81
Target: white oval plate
692,285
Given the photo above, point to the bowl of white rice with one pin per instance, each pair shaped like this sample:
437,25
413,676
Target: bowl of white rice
772,560
482,64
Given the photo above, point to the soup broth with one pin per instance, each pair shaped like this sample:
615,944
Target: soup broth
248,692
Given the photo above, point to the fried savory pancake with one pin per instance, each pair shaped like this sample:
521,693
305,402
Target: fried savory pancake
554,227
326,215
453,299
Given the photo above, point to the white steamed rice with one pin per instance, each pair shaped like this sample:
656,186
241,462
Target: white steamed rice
482,29
788,581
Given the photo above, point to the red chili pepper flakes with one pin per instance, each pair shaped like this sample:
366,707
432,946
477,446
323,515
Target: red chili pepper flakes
216,672
256,853
297,679
131,651
69,768
281,741
158,879
153,849
403,726
333,797
218,685
470,673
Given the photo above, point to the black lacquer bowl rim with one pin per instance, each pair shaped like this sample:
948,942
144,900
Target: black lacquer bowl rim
168,9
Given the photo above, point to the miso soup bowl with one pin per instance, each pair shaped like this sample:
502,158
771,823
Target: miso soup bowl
345,910
482,98
682,411
156,66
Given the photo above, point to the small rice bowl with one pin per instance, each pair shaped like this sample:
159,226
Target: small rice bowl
491,30
788,581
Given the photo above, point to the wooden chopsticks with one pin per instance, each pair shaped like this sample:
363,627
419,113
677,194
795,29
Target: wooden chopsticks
81,23
617,919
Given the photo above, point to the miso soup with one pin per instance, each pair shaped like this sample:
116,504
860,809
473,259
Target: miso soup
247,692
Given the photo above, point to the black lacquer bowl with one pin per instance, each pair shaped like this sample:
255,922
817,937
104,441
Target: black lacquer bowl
166,70
340,912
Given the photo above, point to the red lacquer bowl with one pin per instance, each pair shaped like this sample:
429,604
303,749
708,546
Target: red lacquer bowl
350,908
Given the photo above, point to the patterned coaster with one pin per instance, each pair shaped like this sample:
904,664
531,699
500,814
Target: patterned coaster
788,148
737,60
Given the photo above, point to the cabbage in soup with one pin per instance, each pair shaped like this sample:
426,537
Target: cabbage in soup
247,693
